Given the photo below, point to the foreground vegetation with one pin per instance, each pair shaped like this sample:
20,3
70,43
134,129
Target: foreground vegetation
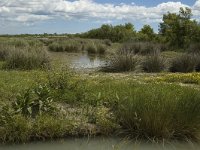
46,105
39,102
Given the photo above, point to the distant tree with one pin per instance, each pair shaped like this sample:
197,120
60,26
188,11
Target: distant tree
117,33
146,33
178,29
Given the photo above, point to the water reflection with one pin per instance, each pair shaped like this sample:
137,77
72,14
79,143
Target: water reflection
79,60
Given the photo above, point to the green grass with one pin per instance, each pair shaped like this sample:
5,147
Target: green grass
48,104
97,105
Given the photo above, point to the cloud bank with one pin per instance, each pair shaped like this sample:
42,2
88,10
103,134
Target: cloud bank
33,11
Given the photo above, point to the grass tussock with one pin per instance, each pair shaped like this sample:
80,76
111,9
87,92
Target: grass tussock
184,63
27,58
123,61
154,63
158,111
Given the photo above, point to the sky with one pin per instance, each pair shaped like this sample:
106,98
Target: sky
76,16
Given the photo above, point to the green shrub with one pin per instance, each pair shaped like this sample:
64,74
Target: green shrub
154,63
27,59
184,63
159,111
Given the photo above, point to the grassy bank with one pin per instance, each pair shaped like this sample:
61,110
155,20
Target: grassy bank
39,105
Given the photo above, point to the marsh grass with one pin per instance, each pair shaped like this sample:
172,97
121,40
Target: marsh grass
122,61
142,48
27,58
158,111
65,46
154,63
183,63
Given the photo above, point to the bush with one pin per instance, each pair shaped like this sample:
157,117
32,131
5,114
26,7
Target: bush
122,61
184,63
159,111
154,63
27,58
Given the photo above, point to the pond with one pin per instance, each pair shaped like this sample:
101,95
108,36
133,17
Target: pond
97,144
78,61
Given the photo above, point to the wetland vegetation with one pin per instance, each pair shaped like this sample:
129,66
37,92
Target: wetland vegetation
147,87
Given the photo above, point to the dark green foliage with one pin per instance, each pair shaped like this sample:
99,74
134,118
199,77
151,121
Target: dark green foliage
146,33
154,63
179,30
117,33
184,63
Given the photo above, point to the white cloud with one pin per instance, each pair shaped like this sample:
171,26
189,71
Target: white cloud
32,11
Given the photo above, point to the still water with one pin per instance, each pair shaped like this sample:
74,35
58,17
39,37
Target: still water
97,144
78,60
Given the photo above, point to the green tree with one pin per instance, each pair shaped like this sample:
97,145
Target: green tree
178,29
146,33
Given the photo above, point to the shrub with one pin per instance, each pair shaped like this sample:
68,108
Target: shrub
154,63
184,63
27,59
159,111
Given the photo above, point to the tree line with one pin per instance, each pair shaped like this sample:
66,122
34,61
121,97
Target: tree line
178,30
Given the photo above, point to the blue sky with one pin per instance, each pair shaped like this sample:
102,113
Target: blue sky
73,16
